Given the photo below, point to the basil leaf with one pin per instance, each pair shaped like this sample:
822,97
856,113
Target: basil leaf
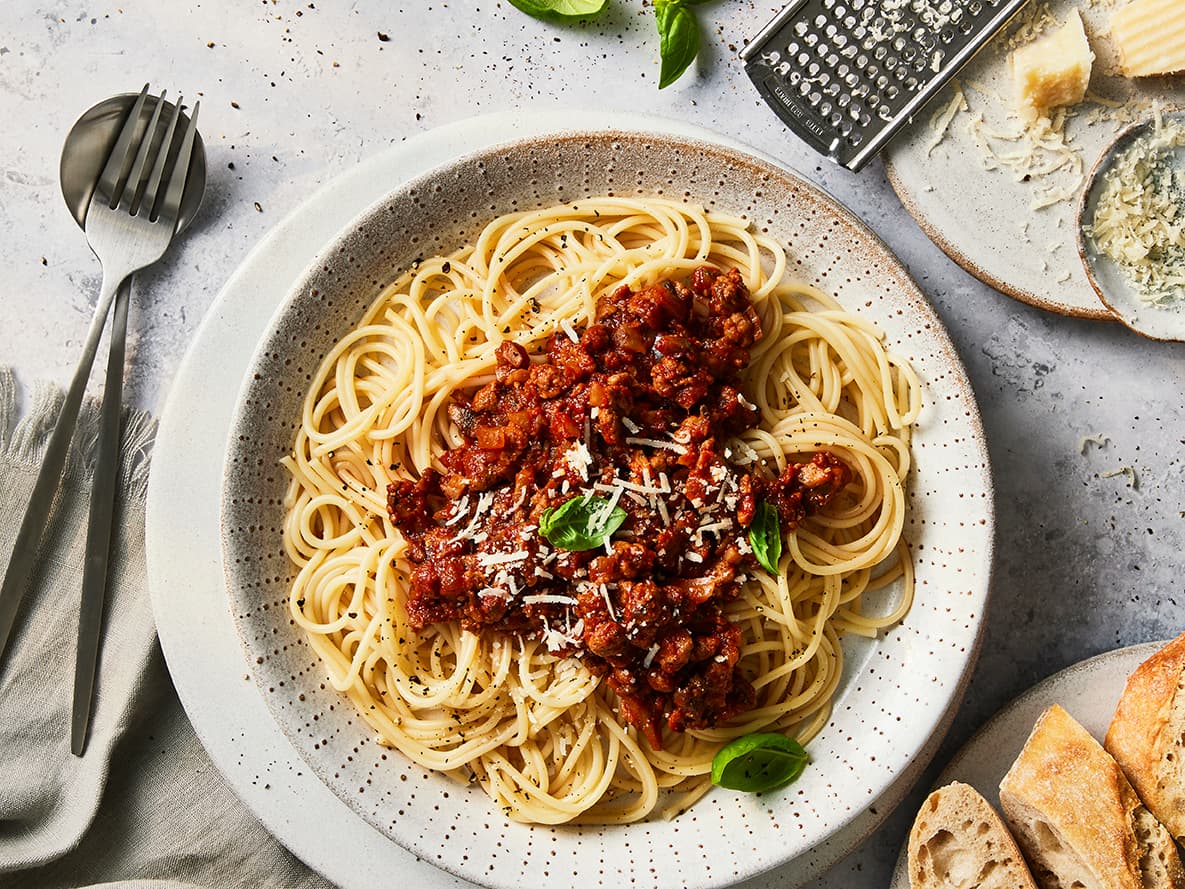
560,10
581,523
765,536
678,39
759,762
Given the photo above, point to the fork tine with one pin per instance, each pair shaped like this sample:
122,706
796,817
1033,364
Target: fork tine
117,160
170,211
127,200
148,202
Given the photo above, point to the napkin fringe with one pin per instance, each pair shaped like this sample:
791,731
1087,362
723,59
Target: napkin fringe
25,440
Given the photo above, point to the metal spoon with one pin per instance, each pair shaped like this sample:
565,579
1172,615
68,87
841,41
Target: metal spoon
83,157
83,160
90,142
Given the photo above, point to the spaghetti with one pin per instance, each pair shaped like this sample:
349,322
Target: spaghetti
541,733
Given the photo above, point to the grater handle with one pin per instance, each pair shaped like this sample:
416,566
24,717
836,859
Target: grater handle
807,125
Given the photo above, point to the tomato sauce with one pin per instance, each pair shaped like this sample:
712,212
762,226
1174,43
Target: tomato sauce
641,410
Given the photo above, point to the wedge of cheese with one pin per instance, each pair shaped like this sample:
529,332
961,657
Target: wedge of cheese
1053,70
1150,37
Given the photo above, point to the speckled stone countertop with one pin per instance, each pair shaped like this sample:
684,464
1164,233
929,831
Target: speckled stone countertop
292,92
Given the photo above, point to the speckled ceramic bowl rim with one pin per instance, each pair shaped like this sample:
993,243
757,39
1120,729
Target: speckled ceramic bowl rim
913,299
1096,171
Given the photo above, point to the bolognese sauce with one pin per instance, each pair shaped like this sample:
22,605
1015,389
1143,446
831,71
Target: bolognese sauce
635,412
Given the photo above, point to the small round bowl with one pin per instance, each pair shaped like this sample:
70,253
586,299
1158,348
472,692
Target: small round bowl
1163,322
898,691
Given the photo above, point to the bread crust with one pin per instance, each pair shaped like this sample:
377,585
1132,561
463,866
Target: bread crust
1076,816
1146,734
959,842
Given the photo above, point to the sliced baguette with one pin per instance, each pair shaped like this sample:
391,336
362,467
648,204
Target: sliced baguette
1147,735
959,842
1078,820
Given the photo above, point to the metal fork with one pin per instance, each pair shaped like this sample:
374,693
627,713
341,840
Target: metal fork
129,224
126,225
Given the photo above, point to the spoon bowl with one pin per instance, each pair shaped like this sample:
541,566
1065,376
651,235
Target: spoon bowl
89,144
1117,292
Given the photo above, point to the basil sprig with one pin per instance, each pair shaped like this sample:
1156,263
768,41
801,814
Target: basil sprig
560,9
678,30
758,763
678,33
765,536
581,523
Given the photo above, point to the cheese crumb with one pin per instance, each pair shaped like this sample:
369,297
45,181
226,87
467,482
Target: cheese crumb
940,121
1132,481
1096,438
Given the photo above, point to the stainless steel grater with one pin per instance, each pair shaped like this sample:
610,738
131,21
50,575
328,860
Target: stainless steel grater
845,75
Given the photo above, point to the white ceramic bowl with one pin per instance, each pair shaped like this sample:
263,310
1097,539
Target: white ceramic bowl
897,690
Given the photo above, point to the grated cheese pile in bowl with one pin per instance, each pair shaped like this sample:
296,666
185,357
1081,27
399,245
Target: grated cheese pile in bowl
1139,218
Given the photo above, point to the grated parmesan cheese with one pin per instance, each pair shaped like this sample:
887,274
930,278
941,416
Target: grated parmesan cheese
462,511
489,560
567,327
1138,220
608,603
579,458
744,402
1132,481
663,513
940,121
556,639
657,443
548,599
1036,152
741,453
467,533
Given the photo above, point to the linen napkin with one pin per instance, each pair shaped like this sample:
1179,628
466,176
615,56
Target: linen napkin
144,806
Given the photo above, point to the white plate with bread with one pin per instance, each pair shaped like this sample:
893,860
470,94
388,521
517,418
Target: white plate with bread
1081,815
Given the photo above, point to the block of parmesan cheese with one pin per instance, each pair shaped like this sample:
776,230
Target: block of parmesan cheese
1150,37
1053,70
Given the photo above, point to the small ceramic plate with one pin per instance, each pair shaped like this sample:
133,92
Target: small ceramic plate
1158,322
1088,691
898,690
983,218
